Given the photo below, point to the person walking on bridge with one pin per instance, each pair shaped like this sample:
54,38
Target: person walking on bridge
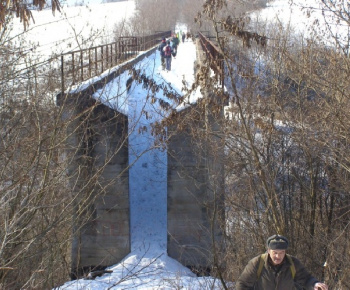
277,270
162,56
175,43
167,55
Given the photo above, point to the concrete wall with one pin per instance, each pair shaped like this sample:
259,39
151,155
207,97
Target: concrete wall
97,154
98,151
196,182
195,190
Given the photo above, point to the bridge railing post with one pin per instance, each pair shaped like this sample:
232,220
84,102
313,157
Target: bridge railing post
81,66
215,57
62,74
73,69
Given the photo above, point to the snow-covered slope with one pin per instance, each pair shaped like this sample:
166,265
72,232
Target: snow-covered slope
74,27
307,18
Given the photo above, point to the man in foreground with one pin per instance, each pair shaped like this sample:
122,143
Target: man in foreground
277,270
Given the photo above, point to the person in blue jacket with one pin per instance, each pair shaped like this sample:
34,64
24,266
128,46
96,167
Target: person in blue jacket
162,56
175,43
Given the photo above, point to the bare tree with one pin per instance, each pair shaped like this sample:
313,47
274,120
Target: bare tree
37,200
153,16
35,204
285,143
22,10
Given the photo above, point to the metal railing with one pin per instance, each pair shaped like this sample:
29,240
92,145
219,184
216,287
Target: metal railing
80,65
214,56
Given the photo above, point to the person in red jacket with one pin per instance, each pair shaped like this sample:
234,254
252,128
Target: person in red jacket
277,270
167,55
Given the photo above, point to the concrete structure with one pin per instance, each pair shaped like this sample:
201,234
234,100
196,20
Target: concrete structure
97,149
195,185
98,172
98,162
195,192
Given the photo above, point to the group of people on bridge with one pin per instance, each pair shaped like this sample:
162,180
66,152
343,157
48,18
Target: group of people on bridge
168,49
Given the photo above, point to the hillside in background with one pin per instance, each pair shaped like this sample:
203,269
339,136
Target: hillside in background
75,28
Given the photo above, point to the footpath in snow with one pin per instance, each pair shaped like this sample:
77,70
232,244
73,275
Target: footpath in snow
148,175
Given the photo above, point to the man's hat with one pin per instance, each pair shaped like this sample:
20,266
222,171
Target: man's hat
277,242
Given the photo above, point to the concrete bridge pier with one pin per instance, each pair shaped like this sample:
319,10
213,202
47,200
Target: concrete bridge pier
98,160
196,184
97,153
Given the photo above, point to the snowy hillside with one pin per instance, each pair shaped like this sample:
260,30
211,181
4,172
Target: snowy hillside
73,28
307,18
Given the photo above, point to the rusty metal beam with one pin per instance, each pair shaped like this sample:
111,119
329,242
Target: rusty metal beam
214,56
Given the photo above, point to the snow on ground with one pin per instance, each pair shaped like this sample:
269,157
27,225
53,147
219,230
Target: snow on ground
281,12
146,271
73,27
148,266
148,176
307,18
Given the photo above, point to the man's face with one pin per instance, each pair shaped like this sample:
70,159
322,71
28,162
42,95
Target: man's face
276,256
